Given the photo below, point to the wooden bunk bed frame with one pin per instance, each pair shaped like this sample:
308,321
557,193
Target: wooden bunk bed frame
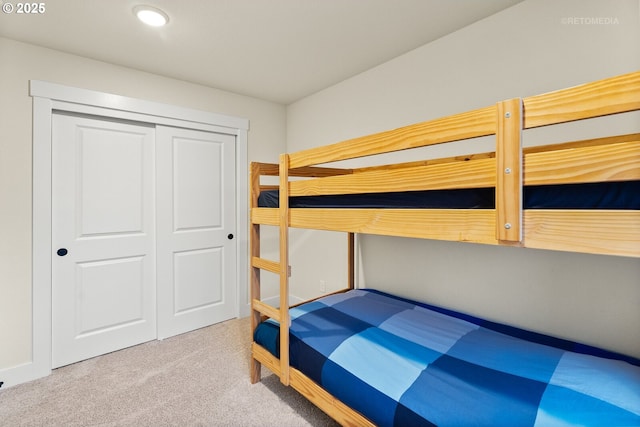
508,169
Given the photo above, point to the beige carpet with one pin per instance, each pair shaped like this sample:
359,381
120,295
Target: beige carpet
196,379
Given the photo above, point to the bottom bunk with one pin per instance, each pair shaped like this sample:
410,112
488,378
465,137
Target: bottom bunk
402,363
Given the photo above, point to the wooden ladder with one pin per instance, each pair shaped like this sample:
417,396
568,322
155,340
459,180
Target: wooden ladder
260,310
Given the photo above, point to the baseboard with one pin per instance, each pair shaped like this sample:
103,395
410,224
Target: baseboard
21,374
275,301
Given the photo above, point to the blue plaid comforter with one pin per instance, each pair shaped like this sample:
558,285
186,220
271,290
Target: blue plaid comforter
405,364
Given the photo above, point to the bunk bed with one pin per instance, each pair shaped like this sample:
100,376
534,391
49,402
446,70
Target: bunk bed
453,369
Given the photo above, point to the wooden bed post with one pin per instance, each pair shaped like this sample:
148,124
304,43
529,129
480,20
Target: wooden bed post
254,244
351,275
284,268
509,171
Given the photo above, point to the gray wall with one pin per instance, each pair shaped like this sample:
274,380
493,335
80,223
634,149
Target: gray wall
534,47
21,62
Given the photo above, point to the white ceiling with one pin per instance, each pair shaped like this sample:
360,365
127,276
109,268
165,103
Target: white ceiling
277,50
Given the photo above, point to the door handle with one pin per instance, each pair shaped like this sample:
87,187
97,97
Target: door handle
230,236
62,251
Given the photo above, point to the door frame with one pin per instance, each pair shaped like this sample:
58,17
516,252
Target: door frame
51,97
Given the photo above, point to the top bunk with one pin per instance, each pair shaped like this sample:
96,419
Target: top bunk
578,196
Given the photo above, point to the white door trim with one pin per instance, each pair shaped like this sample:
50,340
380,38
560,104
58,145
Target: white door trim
48,97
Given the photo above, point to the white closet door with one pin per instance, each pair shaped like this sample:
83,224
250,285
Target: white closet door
196,220
103,236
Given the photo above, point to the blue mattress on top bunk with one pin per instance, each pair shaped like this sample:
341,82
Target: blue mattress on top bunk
401,363
608,195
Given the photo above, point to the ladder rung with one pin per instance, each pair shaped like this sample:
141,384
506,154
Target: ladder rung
266,309
271,266
264,264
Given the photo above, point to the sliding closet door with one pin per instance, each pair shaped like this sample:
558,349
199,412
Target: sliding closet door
196,249
103,236
143,233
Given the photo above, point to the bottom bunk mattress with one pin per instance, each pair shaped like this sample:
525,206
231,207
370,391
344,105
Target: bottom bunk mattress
402,363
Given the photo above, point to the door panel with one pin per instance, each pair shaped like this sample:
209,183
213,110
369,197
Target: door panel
103,288
110,201
102,285
196,216
198,279
197,166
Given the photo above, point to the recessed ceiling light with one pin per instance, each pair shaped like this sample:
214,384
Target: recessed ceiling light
151,15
